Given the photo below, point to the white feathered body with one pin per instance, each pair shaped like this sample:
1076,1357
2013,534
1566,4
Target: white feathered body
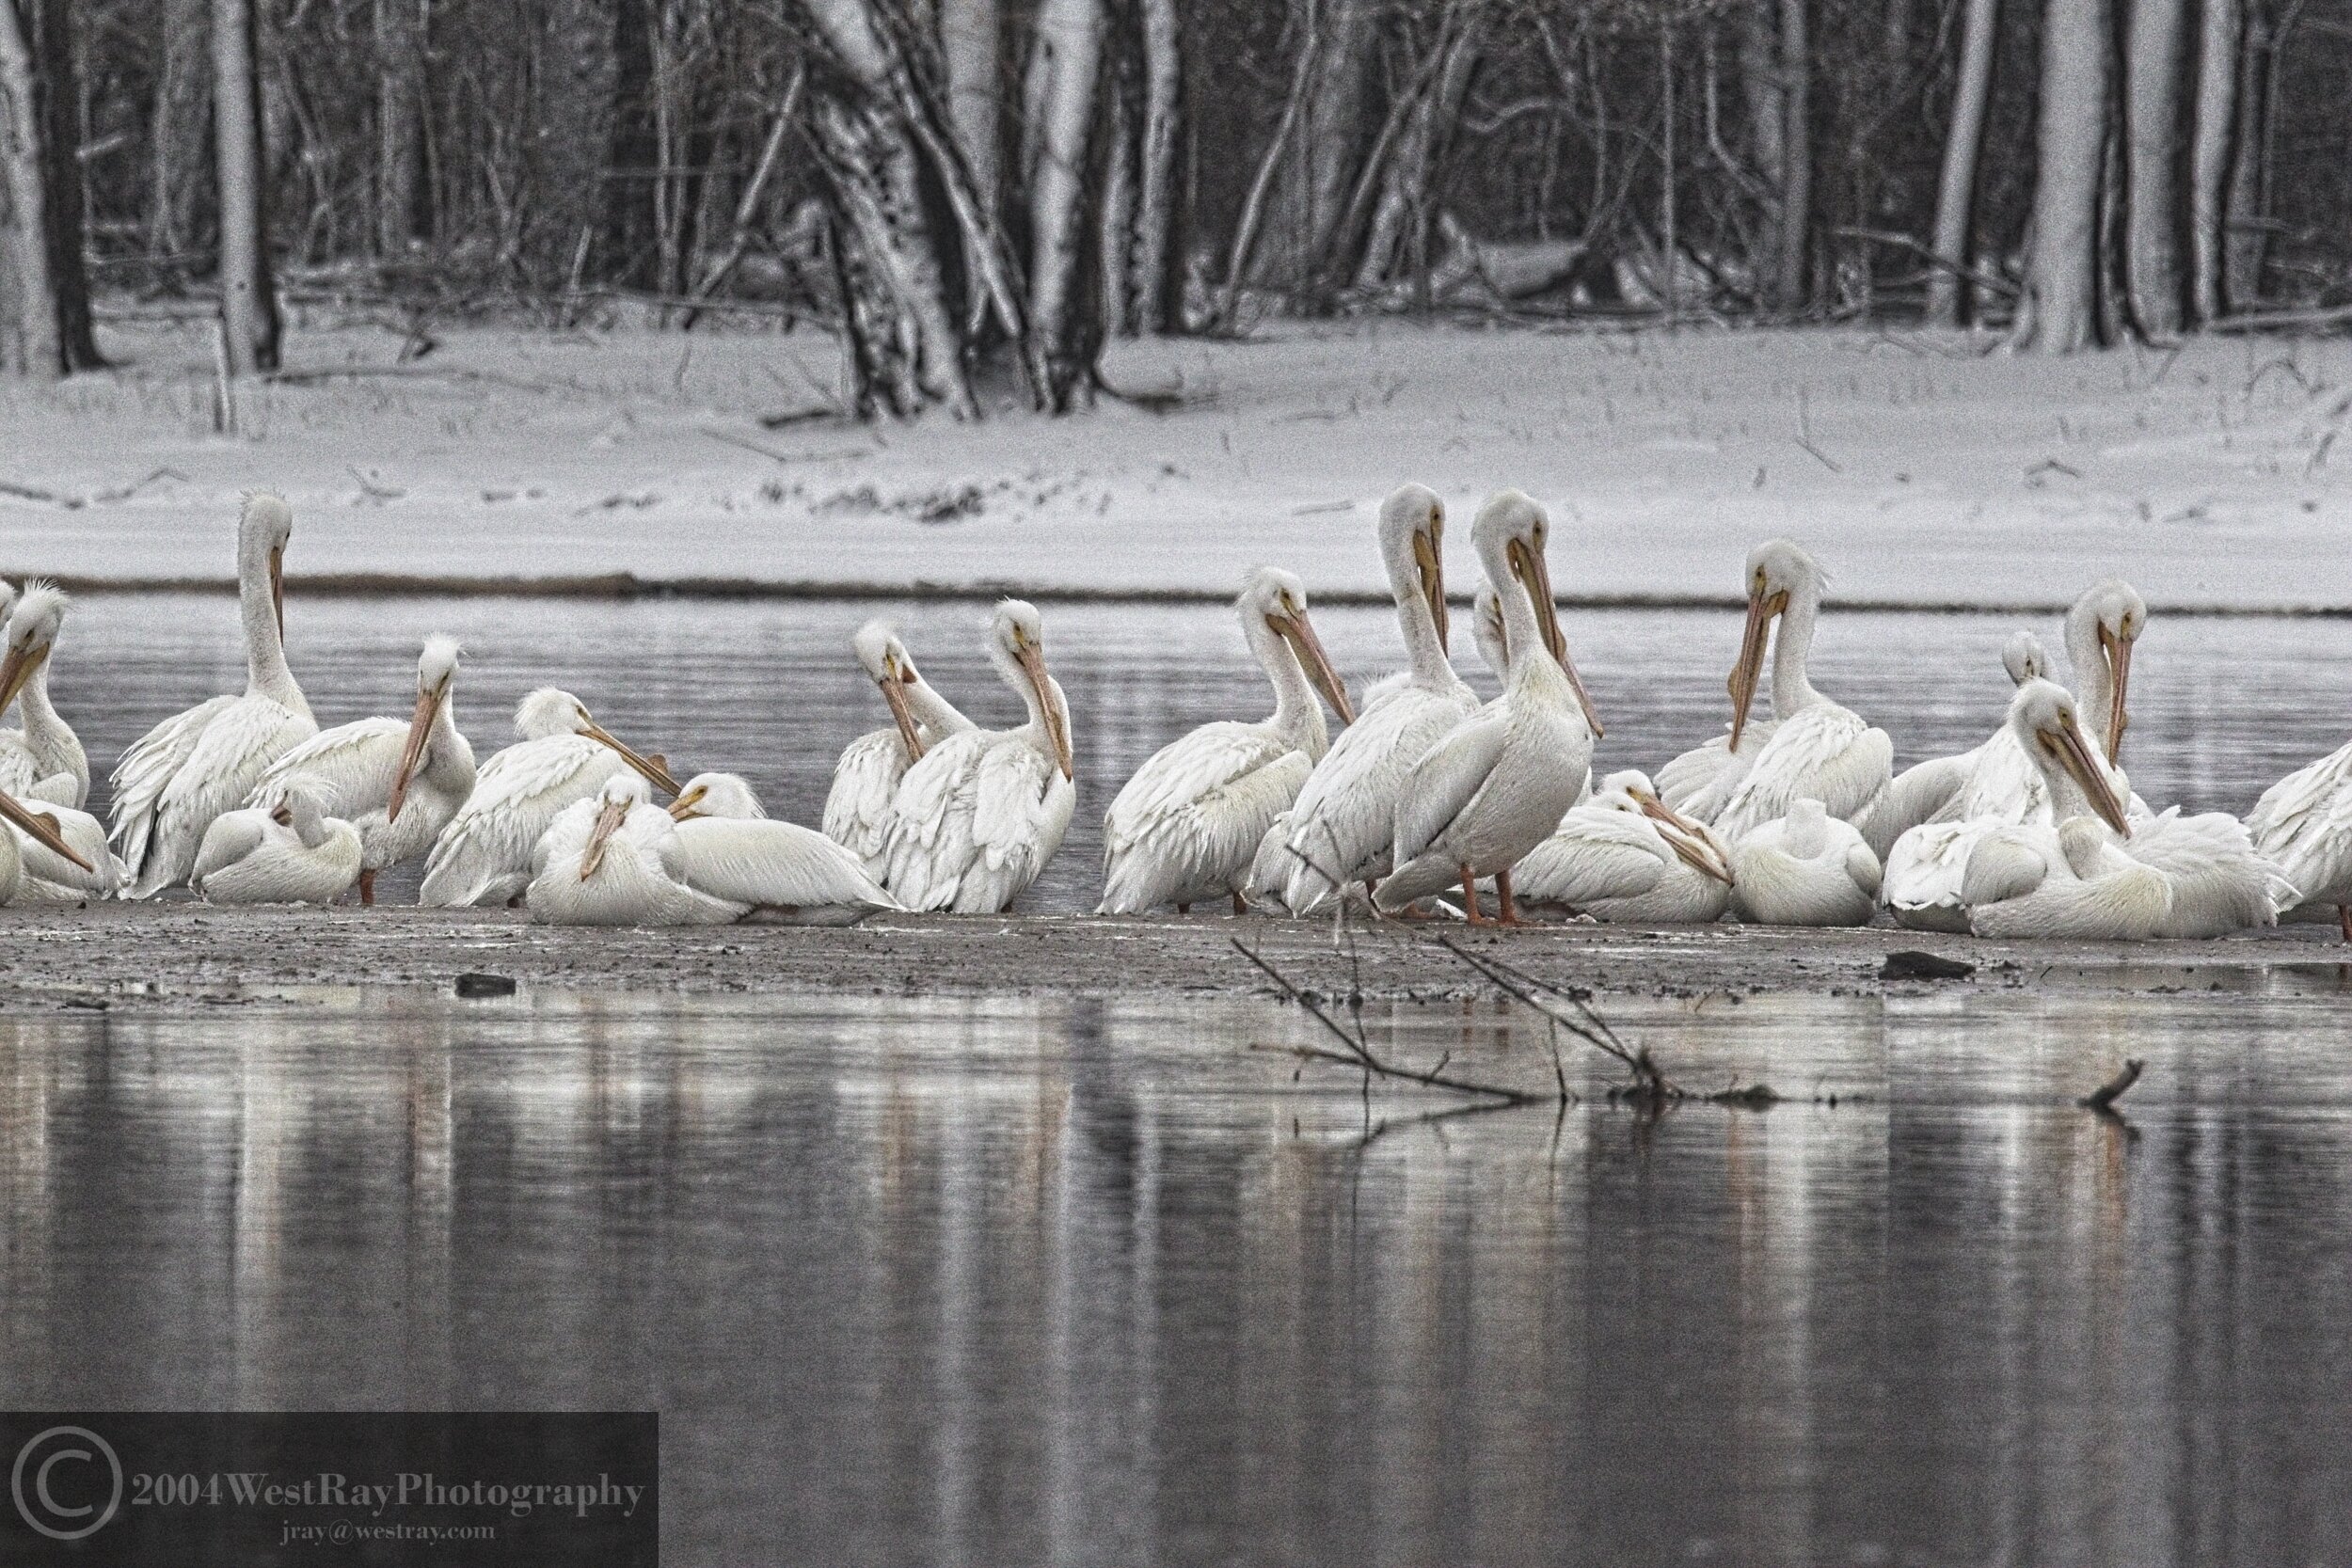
49,877
484,856
2031,880
250,856
1821,753
864,781
1924,869
353,767
1342,827
2219,882
976,821
779,871
2303,825
638,880
1701,781
190,769
1806,868
1185,829
1615,865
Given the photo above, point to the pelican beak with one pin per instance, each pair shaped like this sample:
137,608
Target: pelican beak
1299,633
419,730
2118,656
277,587
2074,755
18,671
1526,564
41,828
1748,672
608,822
1692,843
1032,661
1431,566
893,691
654,773
682,809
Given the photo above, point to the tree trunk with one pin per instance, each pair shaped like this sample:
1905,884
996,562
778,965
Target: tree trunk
1764,93
2209,156
1156,251
29,341
1964,149
58,90
969,33
2245,243
1795,222
2152,131
1313,182
1064,307
2060,312
1407,173
249,304
635,165
180,127
569,135
400,110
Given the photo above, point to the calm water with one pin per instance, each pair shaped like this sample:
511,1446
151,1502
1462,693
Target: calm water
1090,1283
2220,708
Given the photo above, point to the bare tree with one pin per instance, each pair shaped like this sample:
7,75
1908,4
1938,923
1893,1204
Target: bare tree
2152,132
400,112
178,124
59,89
968,35
30,343
1155,250
249,302
2059,313
2246,239
1065,314
2210,151
1794,222
1964,149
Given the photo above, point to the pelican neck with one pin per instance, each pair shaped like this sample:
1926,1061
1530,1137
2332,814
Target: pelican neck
1792,648
265,671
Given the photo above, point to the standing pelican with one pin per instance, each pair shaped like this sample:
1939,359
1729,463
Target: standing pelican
728,849
33,829
1342,828
282,849
2303,824
44,760
1186,827
612,859
398,781
190,768
978,816
485,855
857,808
1496,784
1818,750
1625,855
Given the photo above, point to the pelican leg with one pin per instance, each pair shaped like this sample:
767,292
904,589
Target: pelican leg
1469,898
367,889
1241,905
2343,918
1510,915
1184,909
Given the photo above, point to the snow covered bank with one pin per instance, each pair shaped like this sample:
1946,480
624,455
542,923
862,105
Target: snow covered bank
1921,470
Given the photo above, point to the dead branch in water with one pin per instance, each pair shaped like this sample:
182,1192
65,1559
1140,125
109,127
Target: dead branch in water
1360,1054
2103,1098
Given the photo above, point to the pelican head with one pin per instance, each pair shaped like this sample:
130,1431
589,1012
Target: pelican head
885,660
621,794
716,795
32,632
2103,624
1779,573
2022,657
1412,542
1492,636
2042,717
1511,534
437,680
1275,598
297,803
263,530
1692,843
551,711
1016,644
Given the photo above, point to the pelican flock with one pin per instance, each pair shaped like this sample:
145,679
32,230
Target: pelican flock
1426,801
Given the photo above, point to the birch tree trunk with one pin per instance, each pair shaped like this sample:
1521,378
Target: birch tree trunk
1795,223
968,38
1313,184
2209,154
399,114
2152,139
1766,97
1155,255
2060,312
1064,308
183,95
58,86
2244,243
248,303
1963,149
29,341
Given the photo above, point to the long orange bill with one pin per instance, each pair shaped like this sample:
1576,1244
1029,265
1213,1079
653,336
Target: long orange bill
278,588
2074,754
654,773
41,828
2119,652
1748,672
1431,568
894,693
682,809
1684,837
1032,659
17,672
608,822
1536,577
1300,634
419,731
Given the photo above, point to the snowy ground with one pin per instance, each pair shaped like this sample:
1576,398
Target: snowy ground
1920,468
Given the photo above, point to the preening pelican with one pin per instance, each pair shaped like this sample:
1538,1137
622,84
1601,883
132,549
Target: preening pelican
44,760
1944,789
1345,822
1498,783
485,855
976,820
398,781
2303,825
1804,869
1186,827
190,768
2101,628
1818,750
34,830
1625,855
728,849
282,849
857,808
612,860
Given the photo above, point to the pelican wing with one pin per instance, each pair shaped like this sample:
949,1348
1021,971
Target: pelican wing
1189,820
242,738
516,796
50,878
1825,754
1021,809
2303,824
2219,882
2006,863
354,763
1448,778
770,863
233,837
1917,794
2003,784
857,808
1596,854
1345,820
19,770
142,773
1711,769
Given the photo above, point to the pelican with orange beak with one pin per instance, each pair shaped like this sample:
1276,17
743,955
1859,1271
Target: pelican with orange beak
485,855
1625,856
857,808
191,768
2101,630
977,817
1184,830
44,760
398,781
38,863
613,860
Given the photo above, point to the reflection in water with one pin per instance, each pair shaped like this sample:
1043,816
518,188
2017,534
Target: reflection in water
1088,1282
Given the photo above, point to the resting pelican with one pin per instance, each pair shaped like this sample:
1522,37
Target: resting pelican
282,849
1345,822
1496,783
976,820
564,756
190,768
38,832
1625,855
398,781
728,849
2071,878
857,809
612,860
1944,789
1185,829
44,760
1818,750
1804,869
2303,824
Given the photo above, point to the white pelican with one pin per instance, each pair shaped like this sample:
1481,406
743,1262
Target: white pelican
2303,824
1496,783
44,760
857,808
190,768
976,820
2101,628
1625,855
1345,822
728,849
2070,879
35,831
485,855
398,781
1186,828
612,860
1818,750
282,849
1805,867
1940,789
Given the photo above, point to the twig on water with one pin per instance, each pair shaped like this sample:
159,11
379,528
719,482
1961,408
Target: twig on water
2103,1098
1358,1052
